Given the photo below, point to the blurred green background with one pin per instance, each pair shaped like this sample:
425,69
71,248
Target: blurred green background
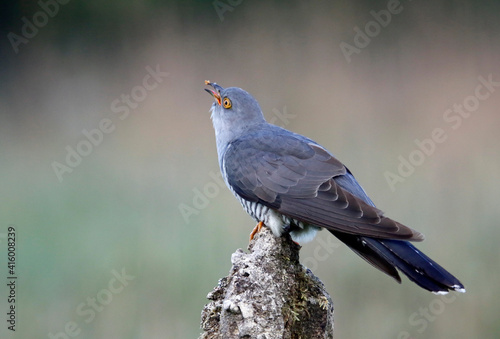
144,198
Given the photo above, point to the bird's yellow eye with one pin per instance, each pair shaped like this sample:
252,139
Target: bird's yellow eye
226,103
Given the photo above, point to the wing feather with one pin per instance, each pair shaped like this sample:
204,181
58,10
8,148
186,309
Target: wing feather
302,180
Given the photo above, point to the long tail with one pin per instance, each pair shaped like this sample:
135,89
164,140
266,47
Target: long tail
387,255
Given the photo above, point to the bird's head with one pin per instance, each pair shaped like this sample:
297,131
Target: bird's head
234,110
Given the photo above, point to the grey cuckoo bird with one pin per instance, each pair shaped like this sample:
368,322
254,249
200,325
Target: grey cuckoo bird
293,185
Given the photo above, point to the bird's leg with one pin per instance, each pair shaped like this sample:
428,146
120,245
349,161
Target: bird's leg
256,229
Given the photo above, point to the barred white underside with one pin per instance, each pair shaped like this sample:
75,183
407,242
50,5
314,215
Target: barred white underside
277,222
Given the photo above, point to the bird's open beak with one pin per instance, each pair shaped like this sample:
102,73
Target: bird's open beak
216,93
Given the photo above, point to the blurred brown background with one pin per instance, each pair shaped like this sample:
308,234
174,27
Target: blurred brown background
107,169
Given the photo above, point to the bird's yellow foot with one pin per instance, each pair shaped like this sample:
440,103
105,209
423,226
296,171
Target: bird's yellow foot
256,230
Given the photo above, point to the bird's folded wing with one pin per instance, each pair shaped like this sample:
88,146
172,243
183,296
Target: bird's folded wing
296,177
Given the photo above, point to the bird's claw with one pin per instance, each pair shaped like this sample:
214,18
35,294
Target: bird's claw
256,230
